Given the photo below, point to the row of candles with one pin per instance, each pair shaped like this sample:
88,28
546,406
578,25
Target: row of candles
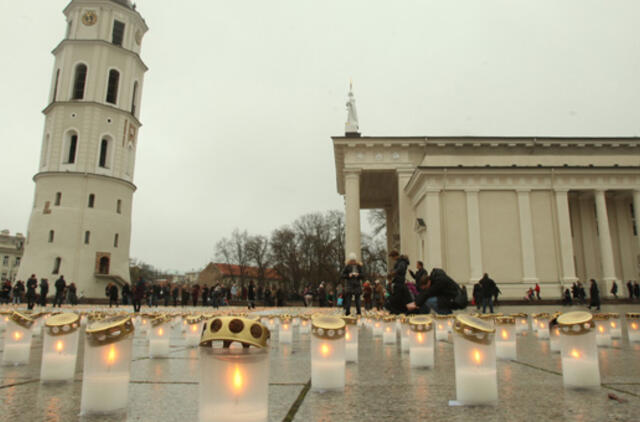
235,351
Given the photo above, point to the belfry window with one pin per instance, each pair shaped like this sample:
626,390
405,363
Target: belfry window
133,98
79,82
112,89
72,149
51,236
55,86
87,237
92,200
57,263
117,36
104,153
58,199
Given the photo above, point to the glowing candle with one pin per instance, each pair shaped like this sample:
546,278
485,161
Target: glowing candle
506,338
285,333
351,339
159,339
475,361
579,351
603,333
615,327
327,353
421,342
60,348
633,326
389,331
17,340
442,332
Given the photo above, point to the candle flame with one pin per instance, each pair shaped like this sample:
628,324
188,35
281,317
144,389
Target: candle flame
505,334
160,331
237,379
347,336
420,338
477,357
613,324
388,329
194,328
557,331
575,354
601,329
285,327
17,335
324,350
439,326
59,346
111,356
144,321
634,325
542,325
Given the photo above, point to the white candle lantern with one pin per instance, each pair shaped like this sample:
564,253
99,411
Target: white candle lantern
506,338
351,338
405,332
522,323
107,363
60,348
327,353
377,327
234,381
144,325
475,361
543,326
421,342
159,337
442,330
615,327
305,326
4,317
554,336
17,339
534,322
633,326
580,367
451,320
295,322
389,330
193,332
285,331
603,330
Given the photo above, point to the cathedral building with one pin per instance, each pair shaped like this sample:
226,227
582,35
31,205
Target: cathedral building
80,224
525,210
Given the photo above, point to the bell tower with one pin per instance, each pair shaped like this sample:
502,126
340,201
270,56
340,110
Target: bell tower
80,224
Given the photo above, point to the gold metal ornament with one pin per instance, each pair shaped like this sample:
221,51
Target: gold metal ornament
62,324
328,327
474,329
109,330
21,319
575,323
421,323
229,329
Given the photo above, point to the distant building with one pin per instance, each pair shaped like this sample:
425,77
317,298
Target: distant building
228,274
11,248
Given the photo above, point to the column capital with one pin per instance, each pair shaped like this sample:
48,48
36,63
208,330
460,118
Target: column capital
352,172
561,190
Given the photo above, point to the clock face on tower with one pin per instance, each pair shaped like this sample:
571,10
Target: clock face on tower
89,18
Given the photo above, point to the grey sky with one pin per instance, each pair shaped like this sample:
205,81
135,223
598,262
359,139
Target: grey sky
242,97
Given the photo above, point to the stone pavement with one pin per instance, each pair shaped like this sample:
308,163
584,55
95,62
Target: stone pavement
380,387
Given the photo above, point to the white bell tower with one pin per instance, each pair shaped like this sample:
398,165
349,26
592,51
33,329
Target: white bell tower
80,224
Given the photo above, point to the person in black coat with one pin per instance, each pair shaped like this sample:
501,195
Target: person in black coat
6,291
438,296
73,294
420,272
138,294
594,293
44,291
113,295
18,292
477,295
251,295
399,296
60,285
32,285
126,294
630,288
352,276
488,290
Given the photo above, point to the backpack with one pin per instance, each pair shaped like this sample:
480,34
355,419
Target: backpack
461,300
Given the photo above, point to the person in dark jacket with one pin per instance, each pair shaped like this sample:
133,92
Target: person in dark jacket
352,276
113,295
488,289
205,295
420,272
630,289
636,289
6,291
614,289
32,285
138,294
251,295
594,294
72,296
44,291
399,296
184,301
477,295
126,294
18,292
438,295
195,294
60,285
322,295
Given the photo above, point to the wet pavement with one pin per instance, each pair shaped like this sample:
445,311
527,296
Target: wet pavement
381,387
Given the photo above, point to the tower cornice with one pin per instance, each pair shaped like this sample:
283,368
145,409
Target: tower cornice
101,42
128,114
101,3
84,174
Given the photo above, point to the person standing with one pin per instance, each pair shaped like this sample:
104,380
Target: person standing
195,294
251,295
537,290
6,291
73,294
630,289
367,295
378,295
113,295
44,291
488,288
184,301
477,295
138,294
322,295
60,285
18,292
32,285
126,294
399,296
352,275
420,272
594,293
636,289
614,289
205,295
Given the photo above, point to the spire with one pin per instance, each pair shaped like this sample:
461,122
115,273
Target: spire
351,126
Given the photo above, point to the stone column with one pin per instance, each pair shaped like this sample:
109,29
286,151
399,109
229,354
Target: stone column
526,238
604,237
406,216
475,244
636,212
352,212
566,240
434,232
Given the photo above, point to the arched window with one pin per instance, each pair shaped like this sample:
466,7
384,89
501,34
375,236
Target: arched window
79,82
72,148
103,265
112,88
87,237
104,153
92,200
133,98
57,263
51,236
58,199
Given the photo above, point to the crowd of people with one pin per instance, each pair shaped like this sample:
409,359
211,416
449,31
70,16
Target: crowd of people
36,292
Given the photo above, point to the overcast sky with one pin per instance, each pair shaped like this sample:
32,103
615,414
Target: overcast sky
241,97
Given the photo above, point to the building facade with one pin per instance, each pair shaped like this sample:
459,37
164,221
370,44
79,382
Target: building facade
80,225
524,210
11,249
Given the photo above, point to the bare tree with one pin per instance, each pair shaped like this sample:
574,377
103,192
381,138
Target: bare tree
258,254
